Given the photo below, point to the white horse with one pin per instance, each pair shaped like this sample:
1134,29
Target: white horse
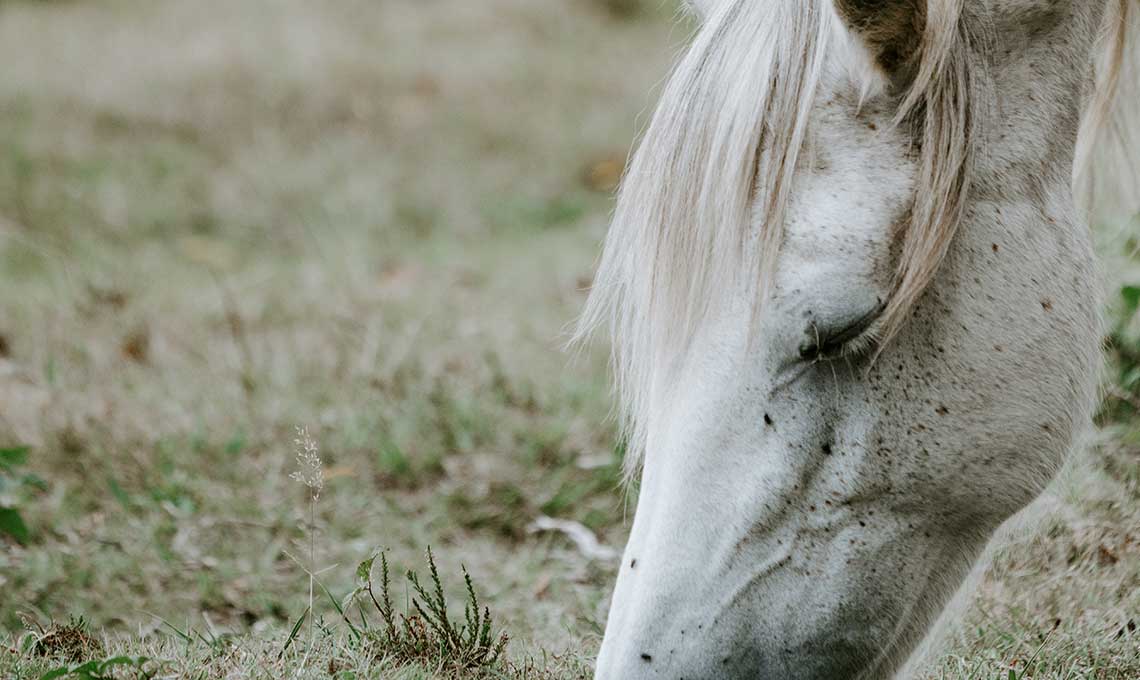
855,317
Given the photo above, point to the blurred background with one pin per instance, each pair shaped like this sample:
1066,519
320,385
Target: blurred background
223,219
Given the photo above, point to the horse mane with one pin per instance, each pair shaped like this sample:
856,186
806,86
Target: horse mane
1106,178
727,135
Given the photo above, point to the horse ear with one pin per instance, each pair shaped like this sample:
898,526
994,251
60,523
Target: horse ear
891,29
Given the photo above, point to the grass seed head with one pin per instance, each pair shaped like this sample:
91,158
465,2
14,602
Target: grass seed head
310,471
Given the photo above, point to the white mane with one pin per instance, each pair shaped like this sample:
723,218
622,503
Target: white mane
1106,176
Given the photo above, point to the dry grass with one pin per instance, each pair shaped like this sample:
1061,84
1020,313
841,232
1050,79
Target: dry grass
311,219
219,220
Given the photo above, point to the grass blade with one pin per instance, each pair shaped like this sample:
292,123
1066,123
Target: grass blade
340,610
293,633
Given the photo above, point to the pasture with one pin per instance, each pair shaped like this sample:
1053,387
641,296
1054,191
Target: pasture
220,221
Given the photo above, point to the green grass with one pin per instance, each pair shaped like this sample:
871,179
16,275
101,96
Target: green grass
222,220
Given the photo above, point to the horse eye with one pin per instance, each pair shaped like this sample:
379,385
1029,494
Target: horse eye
832,343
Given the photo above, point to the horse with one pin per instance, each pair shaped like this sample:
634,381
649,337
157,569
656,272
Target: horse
853,304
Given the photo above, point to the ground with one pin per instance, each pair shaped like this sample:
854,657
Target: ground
222,220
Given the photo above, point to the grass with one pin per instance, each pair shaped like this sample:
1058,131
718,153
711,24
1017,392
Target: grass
222,220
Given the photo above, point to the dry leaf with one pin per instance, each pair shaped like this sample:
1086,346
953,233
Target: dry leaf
604,175
136,346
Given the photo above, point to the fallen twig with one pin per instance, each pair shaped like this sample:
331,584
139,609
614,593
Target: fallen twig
577,532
